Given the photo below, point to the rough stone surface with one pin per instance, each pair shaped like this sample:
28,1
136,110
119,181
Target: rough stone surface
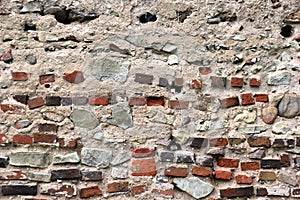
68,158
95,157
84,119
30,159
289,106
121,117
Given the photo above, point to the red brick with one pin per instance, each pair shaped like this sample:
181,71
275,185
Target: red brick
44,138
261,97
218,142
47,127
285,160
121,186
12,109
13,175
243,179
7,56
138,189
142,152
205,70
228,162
165,193
196,84
22,139
69,142
65,174
74,77
247,99
90,192
236,82
202,171
21,98
47,78
176,171
19,76
223,174
36,102
155,101
3,138
137,101
55,189
144,167
254,82
229,102
237,192
175,104
249,166
259,142
98,101
218,82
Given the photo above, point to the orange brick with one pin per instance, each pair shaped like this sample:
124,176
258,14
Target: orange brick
202,171
243,179
176,171
98,101
90,192
218,142
250,166
138,189
223,174
22,139
228,162
121,186
144,167
165,193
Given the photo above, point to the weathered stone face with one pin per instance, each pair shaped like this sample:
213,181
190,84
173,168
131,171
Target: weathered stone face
96,157
289,106
84,119
121,117
30,159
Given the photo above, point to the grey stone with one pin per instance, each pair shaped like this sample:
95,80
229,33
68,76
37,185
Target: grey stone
239,38
173,59
195,59
166,156
53,116
38,177
30,159
68,158
170,48
31,6
121,116
280,127
252,129
122,157
137,40
288,177
246,116
95,157
119,172
143,78
194,186
214,20
30,59
163,118
23,123
84,119
181,136
285,57
51,38
289,106
279,78
184,156
104,69
7,37
203,125
280,192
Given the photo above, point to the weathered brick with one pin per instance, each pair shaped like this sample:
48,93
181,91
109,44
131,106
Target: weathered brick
254,82
12,109
295,192
249,166
216,151
44,138
142,152
259,142
236,82
98,101
175,104
65,174
3,138
243,179
67,142
270,163
230,102
13,175
176,171
267,176
202,171
155,101
247,99
218,142
74,77
237,192
80,101
169,193
36,102
66,101
205,70
91,191
273,191
223,174
283,143
228,162
198,142
47,128
285,160
7,56
298,141
137,101
30,189
177,84
54,189
261,191
257,154
22,139
166,156
91,175
3,161
138,189
163,82
218,81
19,76
184,157
122,186
21,98
47,78
144,167
52,101
236,141
143,78
261,98
195,84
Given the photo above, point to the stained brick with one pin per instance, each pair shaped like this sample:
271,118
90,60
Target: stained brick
205,70
261,98
229,102
36,102
223,174
22,139
249,166
12,109
176,171
283,143
47,128
21,98
3,161
177,84
142,152
202,171
237,192
144,167
166,156
218,142
91,175
98,101
80,101
121,186
44,138
184,157
67,142
261,191
19,189
259,142
53,100
254,82
163,82
258,154
137,101
295,192
175,104
3,138
74,77
243,179
273,191
47,78
198,142
169,193
270,163
65,189
228,162
218,81
13,175
236,82
155,101
247,99
65,174
19,76
138,189
143,78
236,141
216,151
285,160
66,101
91,191
205,161
196,84
267,176
298,141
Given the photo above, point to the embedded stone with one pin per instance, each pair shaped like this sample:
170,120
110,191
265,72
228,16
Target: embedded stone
3,162
269,114
38,177
30,159
31,6
122,157
288,177
169,48
68,158
74,77
279,78
95,157
23,123
239,38
84,119
246,116
7,56
249,130
289,106
194,186
91,175
31,59
121,116
119,172
184,157
173,60
280,127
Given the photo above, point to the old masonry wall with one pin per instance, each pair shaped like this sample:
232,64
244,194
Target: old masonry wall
119,99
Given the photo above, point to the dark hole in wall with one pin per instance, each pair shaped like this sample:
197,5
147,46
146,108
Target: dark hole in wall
29,26
286,31
182,15
147,17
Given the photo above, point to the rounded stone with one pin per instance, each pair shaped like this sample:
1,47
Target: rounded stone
289,106
84,119
269,114
280,128
30,59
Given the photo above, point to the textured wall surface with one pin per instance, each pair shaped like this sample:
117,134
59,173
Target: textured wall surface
120,99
